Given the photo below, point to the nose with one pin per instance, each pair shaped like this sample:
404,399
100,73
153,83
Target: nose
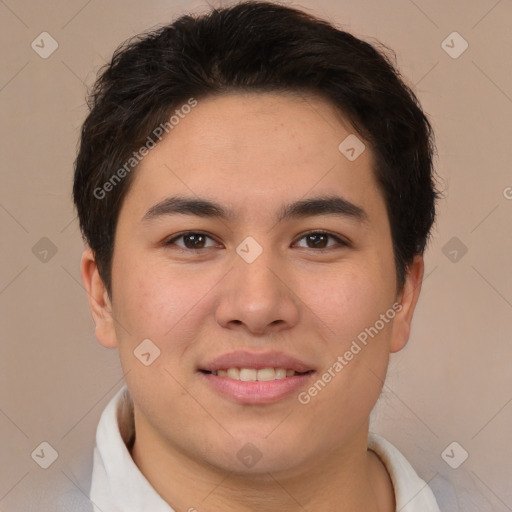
257,297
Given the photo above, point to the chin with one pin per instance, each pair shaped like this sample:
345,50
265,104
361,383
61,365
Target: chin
253,462
251,453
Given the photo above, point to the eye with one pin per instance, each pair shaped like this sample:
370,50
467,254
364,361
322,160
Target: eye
196,240
192,240
320,240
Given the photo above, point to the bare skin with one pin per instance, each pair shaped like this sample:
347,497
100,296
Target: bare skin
306,297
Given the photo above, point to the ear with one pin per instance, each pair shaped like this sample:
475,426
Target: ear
407,298
99,300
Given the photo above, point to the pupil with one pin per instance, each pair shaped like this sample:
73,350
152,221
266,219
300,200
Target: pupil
196,241
318,240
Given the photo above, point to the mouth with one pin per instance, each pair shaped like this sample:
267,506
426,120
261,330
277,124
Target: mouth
255,374
246,377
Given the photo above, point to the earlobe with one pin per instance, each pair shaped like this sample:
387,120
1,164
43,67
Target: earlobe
407,298
99,300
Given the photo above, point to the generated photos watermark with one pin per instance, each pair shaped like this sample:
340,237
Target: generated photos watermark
137,156
355,348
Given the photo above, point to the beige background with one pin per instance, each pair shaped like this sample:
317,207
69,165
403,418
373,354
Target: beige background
453,382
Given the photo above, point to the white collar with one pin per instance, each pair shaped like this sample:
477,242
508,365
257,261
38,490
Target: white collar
119,486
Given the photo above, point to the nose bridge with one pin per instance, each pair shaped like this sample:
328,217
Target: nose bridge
256,294
254,274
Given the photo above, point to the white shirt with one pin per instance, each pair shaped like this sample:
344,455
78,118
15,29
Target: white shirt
118,485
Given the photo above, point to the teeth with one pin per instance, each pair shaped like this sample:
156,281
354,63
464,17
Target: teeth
252,375
248,374
281,373
234,373
266,374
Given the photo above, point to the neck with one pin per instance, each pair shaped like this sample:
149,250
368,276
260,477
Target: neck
349,479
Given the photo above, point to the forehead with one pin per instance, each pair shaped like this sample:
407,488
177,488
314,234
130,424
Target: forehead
257,148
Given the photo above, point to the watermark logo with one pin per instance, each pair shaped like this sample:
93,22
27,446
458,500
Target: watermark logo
454,249
454,455
44,45
45,455
356,347
146,352
44,250
249,455
454,45
249,249
137,156
351,147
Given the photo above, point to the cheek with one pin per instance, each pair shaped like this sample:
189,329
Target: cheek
356,350
349,301
159,301
357,306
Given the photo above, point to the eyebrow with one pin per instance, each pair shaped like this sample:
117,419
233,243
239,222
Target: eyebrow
325,205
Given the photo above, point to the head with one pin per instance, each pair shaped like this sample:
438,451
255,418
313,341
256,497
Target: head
232,125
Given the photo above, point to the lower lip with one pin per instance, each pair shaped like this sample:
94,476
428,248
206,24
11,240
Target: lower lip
256,392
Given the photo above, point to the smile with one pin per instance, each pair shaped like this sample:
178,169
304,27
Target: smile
253,374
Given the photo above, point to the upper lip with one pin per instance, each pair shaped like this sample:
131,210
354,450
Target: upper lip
247,359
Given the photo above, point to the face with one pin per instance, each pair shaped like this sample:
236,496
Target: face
250,247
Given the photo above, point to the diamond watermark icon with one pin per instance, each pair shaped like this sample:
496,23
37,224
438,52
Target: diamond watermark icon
454,455
146,352
351,147
45,455
249,249
44,45
44,250
454,45
454,249
249,455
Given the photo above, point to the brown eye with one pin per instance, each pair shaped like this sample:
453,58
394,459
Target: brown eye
195,241
190,240
320,240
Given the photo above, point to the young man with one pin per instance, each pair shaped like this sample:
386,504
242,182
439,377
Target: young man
256,191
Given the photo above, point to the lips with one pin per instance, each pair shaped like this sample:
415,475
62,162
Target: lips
256,378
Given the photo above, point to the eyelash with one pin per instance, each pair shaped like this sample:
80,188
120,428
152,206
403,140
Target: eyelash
340,242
